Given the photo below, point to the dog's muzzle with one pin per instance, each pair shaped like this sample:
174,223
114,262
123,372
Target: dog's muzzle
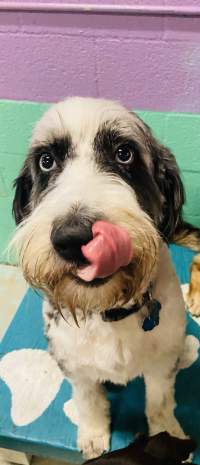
68,235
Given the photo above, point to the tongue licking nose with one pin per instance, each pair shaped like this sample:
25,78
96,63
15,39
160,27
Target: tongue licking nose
109,250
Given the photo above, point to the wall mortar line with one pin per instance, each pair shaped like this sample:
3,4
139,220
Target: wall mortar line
148,10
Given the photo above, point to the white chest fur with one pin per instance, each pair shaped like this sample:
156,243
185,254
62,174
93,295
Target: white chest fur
119,351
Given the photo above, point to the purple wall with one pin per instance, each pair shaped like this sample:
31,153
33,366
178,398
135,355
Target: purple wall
179,3
146,61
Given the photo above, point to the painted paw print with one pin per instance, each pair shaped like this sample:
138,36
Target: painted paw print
34,380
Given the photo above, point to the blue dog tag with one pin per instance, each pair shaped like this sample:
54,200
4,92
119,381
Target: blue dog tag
152,320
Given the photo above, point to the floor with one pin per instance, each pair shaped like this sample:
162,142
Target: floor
12,288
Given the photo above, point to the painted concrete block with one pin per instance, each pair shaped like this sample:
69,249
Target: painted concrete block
153,73
179,131
29,70
153,61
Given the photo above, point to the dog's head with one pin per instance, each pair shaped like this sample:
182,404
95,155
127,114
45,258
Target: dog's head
92,160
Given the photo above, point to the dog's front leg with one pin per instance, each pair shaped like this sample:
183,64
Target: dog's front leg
93,417
160,402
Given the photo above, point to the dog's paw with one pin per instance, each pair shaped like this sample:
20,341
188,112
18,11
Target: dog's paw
93,443
193,296
193,302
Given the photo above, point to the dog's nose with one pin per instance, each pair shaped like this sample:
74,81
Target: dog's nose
68,236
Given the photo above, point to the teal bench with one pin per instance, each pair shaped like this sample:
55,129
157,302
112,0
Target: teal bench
33,392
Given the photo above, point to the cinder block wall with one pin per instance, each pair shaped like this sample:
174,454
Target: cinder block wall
149,61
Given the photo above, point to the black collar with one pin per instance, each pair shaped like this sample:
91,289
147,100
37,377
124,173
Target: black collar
149,322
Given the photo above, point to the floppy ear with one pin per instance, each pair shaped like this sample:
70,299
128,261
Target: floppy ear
23,186
168,180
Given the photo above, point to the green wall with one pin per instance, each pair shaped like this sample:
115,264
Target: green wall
180,131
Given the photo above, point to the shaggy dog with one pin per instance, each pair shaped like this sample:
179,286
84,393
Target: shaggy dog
94,173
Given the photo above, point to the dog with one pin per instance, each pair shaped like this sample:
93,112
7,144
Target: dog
193,297
189,236
94,173
161,449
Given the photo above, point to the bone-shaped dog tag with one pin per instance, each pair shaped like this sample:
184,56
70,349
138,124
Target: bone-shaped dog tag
152,320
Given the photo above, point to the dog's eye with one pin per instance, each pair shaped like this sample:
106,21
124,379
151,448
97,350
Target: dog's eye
124,155
47,162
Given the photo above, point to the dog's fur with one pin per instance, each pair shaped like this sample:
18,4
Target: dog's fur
193,297
189,236
145,197
161,449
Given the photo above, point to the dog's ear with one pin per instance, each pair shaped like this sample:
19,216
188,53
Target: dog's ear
169,448
168,180
23,186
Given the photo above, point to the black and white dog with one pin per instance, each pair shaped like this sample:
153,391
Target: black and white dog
93,164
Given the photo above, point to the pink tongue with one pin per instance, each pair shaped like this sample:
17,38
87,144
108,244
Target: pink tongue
109,249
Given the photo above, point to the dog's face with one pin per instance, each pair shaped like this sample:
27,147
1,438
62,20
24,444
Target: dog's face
92,160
